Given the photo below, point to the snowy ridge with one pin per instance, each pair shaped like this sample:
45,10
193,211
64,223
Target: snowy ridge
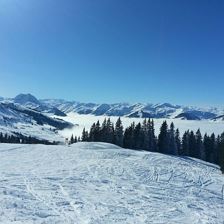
139,110
96,183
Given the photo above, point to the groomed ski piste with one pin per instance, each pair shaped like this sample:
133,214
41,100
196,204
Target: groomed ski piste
97,183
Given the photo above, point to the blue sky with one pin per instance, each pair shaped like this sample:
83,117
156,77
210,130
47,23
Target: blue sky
114,50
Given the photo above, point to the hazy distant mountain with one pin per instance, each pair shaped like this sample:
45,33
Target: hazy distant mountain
26,99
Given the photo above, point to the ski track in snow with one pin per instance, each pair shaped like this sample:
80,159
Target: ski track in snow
97,183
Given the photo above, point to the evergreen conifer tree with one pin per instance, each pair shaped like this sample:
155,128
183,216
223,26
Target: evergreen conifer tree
221,152
118,133
97,132
214,149
192,144
72,139
85,135
200,150
178,141
185,144
138,137
146,135
128,141
163,139
207,146
172,141
92,133
152,137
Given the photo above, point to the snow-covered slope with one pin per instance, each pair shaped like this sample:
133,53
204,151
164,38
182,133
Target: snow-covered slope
96,183
18,119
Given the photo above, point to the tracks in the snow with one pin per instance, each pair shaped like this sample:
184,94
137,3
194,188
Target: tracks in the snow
78,185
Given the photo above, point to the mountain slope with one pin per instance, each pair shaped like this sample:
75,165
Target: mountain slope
19,119
219,118
97,183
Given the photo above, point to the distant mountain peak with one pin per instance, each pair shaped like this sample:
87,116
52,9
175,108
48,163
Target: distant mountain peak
26,98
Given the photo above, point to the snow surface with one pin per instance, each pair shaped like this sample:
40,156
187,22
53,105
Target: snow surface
97,183
37,131
85,121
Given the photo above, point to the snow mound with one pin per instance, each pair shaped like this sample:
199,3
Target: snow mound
98,183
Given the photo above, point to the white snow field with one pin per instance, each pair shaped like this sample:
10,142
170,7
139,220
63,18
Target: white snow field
98,183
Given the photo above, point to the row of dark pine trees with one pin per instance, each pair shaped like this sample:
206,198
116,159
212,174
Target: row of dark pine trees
19,138
141,136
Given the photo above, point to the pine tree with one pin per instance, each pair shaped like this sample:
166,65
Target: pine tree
92,133
192,144
97,132
200,153
185,144
85,135
221,152
146,135
109,131
118,133
72,139
138,136
214,149
128,141
178,141
103,131
172,141
163,139
1,137
152,137
208,148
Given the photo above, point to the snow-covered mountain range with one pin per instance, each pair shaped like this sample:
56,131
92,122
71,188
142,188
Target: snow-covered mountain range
43,118
139,110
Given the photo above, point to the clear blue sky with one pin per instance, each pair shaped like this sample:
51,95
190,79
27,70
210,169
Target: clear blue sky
114,50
